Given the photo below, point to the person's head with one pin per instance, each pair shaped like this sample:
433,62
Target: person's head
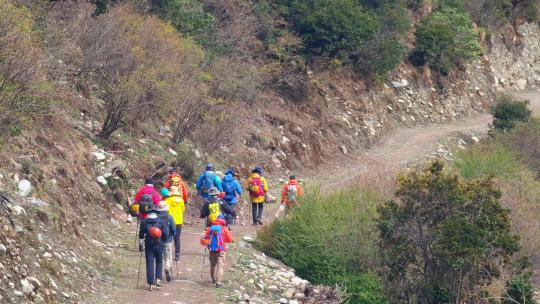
258,170
173,170
149,181
210,167
213,191
163,207
158,185
165,192
292,177
175,191
230,171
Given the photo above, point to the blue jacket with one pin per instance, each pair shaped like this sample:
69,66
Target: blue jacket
144,231
232,188
171,225
217,183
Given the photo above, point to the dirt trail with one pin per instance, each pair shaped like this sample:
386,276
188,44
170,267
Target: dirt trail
394,150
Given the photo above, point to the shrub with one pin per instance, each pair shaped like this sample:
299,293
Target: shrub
447,38
331,245
508,111
188,16
440,239
143,67
520,290
524,138
24,94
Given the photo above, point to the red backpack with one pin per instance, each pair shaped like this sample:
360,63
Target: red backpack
256,187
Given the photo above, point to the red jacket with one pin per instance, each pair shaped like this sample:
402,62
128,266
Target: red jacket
185,193
299,191
150,190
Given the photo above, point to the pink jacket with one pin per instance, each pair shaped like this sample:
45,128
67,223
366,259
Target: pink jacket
148,189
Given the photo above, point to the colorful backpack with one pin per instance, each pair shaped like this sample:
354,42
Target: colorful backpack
256,187
207,182
214,209
292,193
155,232
145,203
216,243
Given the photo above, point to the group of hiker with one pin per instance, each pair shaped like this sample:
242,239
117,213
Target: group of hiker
159,207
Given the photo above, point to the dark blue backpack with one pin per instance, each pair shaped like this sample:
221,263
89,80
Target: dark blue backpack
229,188
207,182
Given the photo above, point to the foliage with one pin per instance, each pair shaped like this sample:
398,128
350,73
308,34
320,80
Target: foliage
368,33
531,10
447,38
142,66
524,139
24,94
508,111
330,245
520,290
188,16
443,237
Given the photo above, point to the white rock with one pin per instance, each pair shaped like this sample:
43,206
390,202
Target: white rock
47,255
65,294
18,229
34,281
248,239
285,140
293,302
283,301
343,149
521,83
37,202
100,179
18,210
475,139
25,187
27,288
3,249
173,152
99,156
297,282
53,284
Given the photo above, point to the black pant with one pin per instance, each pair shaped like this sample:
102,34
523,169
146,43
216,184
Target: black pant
257,211
154,255
177,241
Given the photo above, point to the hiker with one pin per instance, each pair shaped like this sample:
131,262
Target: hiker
214,239
177,207
207,180
290,193
232,190
152,234
257,187
215,207
158,185
175,180
168,243
145,198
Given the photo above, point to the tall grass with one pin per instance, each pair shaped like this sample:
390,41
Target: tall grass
519,186
331,239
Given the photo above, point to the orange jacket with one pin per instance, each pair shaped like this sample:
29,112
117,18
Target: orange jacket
225,233
299,191
185,193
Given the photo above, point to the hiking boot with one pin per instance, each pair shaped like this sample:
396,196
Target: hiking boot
218,285
158,283
259,222
168,275
150,287
177,257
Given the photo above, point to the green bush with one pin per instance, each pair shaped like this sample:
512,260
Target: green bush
366,33
447,38
524,138
531,10
508,111
520,290
331,240
440,238
187,16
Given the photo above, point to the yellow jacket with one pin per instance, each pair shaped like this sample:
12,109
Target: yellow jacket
257,198
176,208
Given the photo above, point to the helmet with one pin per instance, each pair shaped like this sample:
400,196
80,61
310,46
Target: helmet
165,192
220,222
155,232
135,208
209,167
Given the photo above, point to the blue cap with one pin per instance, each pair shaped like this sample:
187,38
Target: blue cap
209,167
165,192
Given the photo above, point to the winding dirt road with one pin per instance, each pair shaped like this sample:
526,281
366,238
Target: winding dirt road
395,149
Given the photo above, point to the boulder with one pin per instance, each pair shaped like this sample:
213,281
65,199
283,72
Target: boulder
521,83
98,156
25,187
101,180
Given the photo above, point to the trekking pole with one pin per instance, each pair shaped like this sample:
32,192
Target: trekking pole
176,262
139,271
137,232
203,262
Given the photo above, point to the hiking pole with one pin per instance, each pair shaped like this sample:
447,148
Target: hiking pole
137,232
203,262
139,271
176,262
